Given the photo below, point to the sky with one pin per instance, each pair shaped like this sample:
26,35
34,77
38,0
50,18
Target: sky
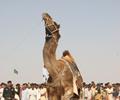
90,30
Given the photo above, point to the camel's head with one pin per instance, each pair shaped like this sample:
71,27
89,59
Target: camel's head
51,27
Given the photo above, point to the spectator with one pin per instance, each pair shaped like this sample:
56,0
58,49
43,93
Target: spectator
109,91
9,91
98,95
2,86
115,92
24,94
93,89
17,92
43,92
32,94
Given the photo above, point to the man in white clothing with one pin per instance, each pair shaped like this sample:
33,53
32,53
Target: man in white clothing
1,91
32,93
43,92
24,94
109,92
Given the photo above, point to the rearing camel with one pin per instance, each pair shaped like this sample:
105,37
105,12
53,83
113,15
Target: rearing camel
65,78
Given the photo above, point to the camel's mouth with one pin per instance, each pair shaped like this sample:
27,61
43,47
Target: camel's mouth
50,25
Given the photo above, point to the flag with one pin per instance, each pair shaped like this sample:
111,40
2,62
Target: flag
15,71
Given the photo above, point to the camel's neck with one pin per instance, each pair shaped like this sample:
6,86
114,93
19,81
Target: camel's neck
49,54
49,50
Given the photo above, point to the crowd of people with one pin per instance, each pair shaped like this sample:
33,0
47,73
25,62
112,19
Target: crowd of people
26,91
100,91
33,91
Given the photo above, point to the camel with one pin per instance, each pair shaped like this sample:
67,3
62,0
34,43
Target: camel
65,79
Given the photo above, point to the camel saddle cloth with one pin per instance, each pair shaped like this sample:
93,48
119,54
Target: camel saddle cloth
74,70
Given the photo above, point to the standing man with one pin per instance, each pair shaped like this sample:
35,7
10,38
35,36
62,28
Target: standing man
24,92
2,86
9,91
